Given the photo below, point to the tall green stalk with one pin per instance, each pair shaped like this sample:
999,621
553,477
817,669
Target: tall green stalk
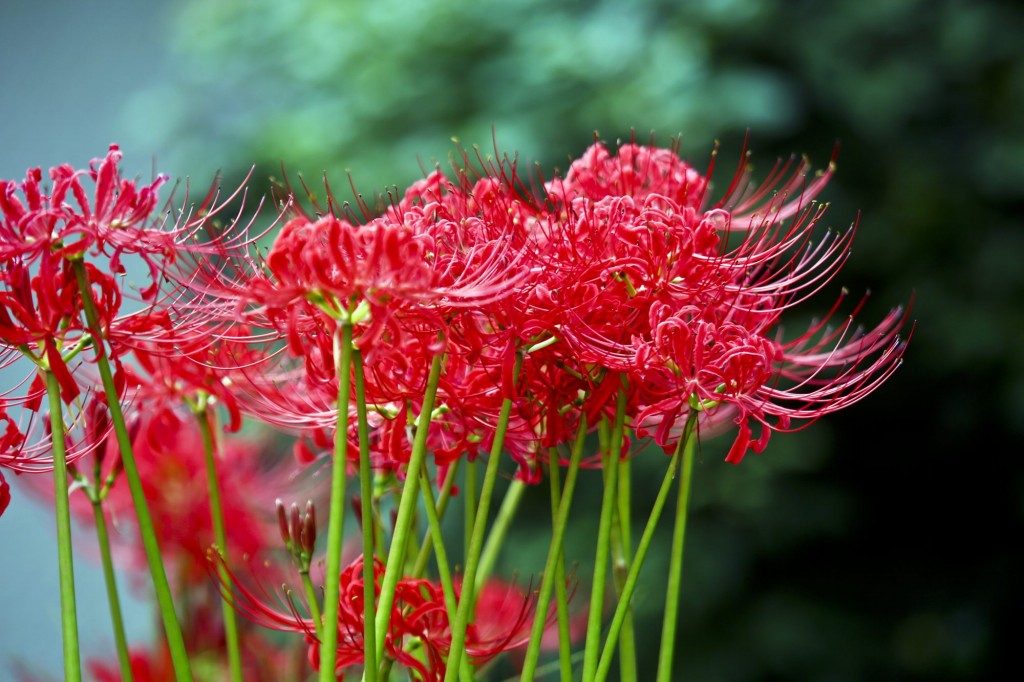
608,503
172,628
467,598
496,538
621,548
561,596
113,600
443,571
336,514
634,570
406,508
203,417
675,568
65,560
426,548
366,512
554,559
469,504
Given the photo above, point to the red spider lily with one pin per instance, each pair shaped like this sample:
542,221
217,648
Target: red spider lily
27,445
67,224
170,456
418,637
635,171
146,666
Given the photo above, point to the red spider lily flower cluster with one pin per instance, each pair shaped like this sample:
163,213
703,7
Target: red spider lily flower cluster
169,450
419,635
625,277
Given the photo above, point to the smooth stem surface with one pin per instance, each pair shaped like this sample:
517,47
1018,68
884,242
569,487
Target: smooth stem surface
634,571
554,559
114,601
336,519
161,587
406,509
443,571
65,560
675,568
366,512
314,603
442,503
496,538
469,505
203,417
561,598
608,504
621,550
467,598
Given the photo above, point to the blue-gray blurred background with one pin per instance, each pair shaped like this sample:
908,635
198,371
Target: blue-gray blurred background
883,543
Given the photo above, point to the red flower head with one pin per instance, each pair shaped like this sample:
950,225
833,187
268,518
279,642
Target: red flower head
170,456
419,635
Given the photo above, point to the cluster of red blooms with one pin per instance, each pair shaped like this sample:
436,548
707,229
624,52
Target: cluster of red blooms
621,279
622,282
419,634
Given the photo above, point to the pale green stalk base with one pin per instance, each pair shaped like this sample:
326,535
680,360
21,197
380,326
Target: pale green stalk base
406,509
443,570
634,571
476,544
172,628
120,640
496,538
561,598
65,560
608,505
336,520
621,549
675,570
551,575
426,548
469,505
220,536
366,509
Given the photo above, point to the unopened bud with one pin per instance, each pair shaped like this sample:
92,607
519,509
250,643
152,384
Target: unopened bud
308,538
282,523
295,526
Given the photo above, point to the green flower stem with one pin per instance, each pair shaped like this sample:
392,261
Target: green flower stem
442,504
469,502
203,417
65,560
634,571
675,569
336,520
621,546
366,509
551,575
499,531
561,598
443,570
608,505
476,542
120,640
172,629
406,509
314,607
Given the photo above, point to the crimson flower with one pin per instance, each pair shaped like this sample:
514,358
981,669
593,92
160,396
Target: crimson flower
419,635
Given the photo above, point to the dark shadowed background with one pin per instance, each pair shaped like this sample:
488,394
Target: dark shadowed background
886,541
